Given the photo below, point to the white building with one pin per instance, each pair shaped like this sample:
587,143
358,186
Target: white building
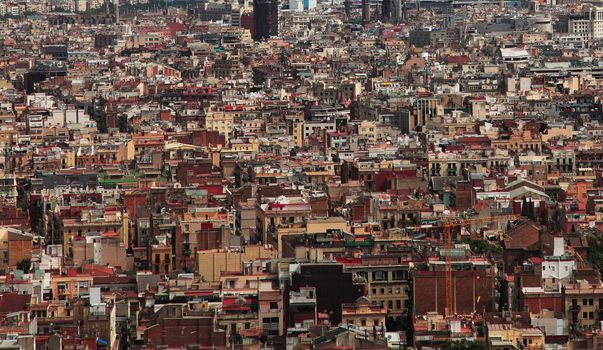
301,5
558,268
589,24
296,5
515,56
310,126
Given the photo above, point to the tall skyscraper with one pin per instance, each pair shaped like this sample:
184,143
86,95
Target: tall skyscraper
386,10
397,10
366,11
265,19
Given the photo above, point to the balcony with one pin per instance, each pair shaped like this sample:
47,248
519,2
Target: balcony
270,327
359,244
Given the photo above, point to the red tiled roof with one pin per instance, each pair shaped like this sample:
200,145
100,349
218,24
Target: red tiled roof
12,302
457,60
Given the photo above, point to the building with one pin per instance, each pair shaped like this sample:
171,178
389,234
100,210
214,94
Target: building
472,291
178,325
589,24
387,279
583,304
364,315
265,19
506,336
333,287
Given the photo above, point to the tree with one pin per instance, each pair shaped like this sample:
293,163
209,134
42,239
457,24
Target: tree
480,246
595,251
24,265
465,345
525,212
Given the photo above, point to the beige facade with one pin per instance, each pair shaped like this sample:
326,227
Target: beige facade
387,282
583,304
282,213
221,122
70,287
211,263
102,251
445,164
506,336
364,315
161,259
312,227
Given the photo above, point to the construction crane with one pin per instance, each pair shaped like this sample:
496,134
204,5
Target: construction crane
449,224
448,237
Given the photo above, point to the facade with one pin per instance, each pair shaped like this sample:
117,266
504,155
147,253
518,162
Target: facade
387,281
589,24
364,315
265,19
583,304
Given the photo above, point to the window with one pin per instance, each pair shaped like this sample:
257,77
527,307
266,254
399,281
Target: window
171,312
382,291
379,276
363,322
590,302
584,302
374,291
399,275
398,304
591,315
585,315
273,305
390,304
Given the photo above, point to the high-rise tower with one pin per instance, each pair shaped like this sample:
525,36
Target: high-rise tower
386,9
265,19
366,11
397,11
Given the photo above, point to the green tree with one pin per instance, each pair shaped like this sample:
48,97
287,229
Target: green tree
465,345
481,246
24,265
595,251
